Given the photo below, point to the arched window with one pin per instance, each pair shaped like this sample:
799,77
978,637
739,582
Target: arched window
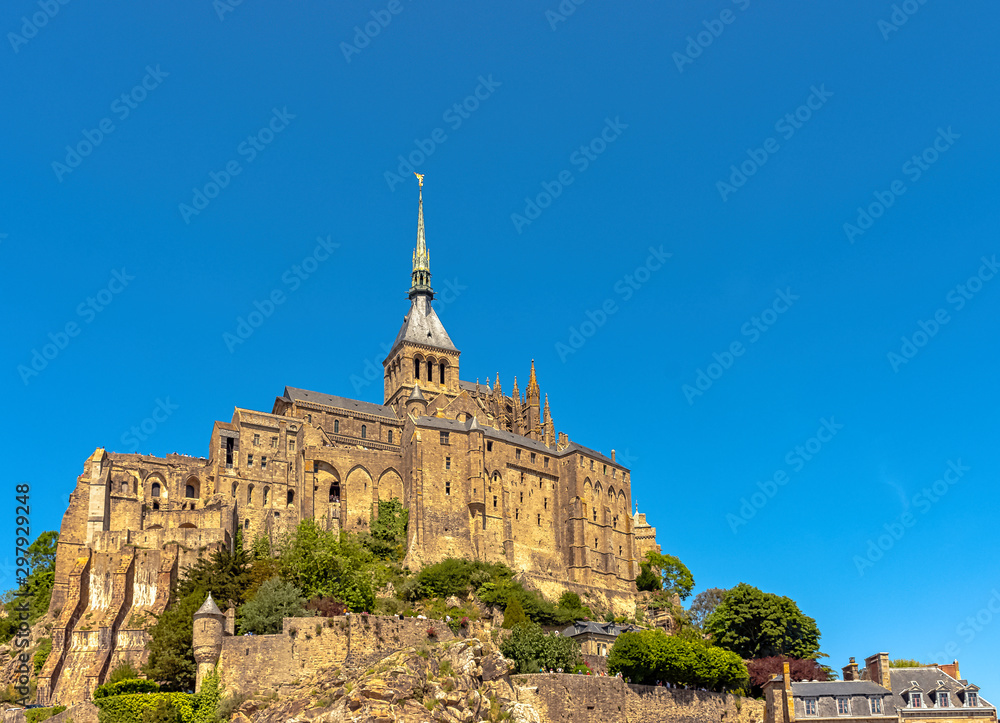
266,490
336,426
155,489
291,496
416,369
250,495
442,372
364,432
246,524
124,488
236,486
189,491
335,492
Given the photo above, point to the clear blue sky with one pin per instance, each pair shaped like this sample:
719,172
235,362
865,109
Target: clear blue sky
648,112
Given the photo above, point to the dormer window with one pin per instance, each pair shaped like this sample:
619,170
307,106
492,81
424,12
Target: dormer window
875,705
809,706
943,699
916,699
843,706
972,700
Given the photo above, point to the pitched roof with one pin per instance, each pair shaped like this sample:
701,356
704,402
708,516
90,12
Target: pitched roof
351,405
926,680
422,326
821,688
582,627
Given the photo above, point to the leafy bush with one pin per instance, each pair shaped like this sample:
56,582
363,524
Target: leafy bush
123,671
650,656
42,653
387,540
125,687
37,715
275,600
133,707
902,663
455,576
325,564
514,614
530,648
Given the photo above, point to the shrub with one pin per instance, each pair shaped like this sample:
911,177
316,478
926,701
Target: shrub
163,712
37,715
274,601
651,655
42,653
133,707
123,671
125,687
431,633
326,607
530,648
514,614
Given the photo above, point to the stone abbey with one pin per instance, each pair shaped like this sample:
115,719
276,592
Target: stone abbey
483,473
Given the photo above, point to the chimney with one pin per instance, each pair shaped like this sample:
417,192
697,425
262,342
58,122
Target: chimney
878,669
951,669
612,455
788,703
850,670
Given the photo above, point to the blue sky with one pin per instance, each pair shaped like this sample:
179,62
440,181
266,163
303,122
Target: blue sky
821,175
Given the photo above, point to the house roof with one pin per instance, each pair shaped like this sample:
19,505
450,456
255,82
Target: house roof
818,689
927,680
351,405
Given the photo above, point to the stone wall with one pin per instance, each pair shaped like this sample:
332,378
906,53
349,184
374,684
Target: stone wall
306,645
586,699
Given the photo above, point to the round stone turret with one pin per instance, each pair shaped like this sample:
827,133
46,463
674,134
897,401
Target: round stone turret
209,629
416,404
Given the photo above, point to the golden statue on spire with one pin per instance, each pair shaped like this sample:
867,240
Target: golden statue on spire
420,178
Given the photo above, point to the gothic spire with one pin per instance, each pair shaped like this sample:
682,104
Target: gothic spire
532,390
515,392
421,275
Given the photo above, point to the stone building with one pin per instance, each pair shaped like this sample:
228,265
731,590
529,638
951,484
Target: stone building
483,473
877,694
596,638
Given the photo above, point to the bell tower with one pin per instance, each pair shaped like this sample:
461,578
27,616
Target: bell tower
423,353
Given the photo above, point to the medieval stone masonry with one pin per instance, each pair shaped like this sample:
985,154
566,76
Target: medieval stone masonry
483,473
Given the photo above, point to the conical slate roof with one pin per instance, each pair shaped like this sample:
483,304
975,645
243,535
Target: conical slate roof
416,394
209,607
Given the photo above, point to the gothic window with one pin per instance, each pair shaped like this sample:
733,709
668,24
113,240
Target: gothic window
336,426
390,436
335,492
441,367
364,431
189,491
291,497
266,490
416,369
430,370
250,495
605,469
235,487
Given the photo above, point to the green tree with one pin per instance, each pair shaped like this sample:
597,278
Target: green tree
123,671
514,614
703,604
570,608
163,712
906,663
674,575
530,649
651,656
387,540
647,580
325,564
756,624
226,575
263,613
36,591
